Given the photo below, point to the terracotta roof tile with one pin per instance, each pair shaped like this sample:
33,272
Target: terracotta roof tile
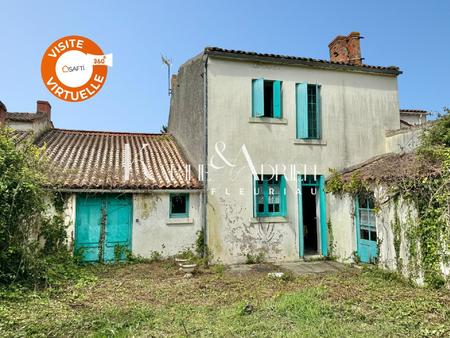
414,111
21,135
96,160
393,70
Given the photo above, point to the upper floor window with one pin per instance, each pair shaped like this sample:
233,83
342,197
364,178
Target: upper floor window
266,98
269,196
179,205
308,111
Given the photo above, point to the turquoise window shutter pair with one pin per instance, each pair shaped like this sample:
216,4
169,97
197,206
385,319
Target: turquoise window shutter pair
258,98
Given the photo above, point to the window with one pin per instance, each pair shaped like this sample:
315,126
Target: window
266,98
179,205
308,111
269,196
367,226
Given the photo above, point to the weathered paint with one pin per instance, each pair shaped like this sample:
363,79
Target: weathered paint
103,222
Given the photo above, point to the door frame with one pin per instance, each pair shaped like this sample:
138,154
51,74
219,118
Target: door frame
322,234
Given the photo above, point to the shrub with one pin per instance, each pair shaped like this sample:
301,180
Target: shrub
27,234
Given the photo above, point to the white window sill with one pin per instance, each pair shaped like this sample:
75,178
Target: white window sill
269,120
275,219
311,142
179,221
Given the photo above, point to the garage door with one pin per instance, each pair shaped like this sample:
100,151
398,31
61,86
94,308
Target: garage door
103,227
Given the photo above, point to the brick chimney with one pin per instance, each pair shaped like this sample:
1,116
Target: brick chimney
3,111
346,49
45,108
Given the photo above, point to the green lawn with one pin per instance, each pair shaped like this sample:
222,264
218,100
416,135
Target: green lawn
153,299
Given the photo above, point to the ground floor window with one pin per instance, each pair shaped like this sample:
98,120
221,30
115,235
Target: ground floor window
269,196
179,205
367,226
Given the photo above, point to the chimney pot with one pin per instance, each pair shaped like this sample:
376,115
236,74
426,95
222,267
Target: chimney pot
346,49
45,108
3,111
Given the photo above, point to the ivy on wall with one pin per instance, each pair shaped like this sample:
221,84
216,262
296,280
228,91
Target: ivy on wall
31,241
429,237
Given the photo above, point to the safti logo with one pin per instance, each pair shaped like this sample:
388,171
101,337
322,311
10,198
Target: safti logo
74,68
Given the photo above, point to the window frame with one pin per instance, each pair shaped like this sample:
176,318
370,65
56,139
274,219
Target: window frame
179,215
259,99
265,184
303,112
368,226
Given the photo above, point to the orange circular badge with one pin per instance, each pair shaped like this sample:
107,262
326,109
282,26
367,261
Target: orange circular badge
74,68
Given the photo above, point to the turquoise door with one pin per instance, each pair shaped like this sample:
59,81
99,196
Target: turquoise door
318,184
366,231
118,227
102,226
88,227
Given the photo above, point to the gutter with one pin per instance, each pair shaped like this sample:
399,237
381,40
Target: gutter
205,183
127,191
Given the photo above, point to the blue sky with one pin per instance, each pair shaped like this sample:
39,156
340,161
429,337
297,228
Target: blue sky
413,35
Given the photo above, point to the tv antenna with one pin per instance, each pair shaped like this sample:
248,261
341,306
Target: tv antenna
168,63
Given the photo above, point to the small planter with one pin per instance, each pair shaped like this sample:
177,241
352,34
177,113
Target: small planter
188,269
181,261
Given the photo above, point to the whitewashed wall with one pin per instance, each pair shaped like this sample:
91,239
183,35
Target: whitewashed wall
153,230
341,215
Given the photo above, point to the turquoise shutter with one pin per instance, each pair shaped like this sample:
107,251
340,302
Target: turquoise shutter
277,99
255,198
283,194
318,111
323,216
300,215
258,97
302,110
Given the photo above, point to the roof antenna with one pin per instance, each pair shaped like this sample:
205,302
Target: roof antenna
168,63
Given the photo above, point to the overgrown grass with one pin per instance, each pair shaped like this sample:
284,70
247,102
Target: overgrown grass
153,299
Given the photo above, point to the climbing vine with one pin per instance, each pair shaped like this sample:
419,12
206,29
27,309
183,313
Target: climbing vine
32,242
429,193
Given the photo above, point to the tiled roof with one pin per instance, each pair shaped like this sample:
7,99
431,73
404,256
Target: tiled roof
390,167
276,58
20,135
414,111
24,117
95,160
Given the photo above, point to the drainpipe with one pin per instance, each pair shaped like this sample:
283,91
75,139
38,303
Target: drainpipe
205,167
